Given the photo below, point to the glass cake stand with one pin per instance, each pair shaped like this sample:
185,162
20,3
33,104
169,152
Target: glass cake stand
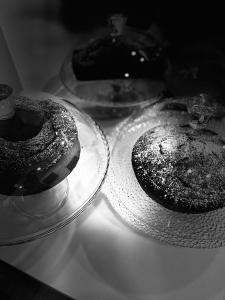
83,93
116,71
39,215
129,201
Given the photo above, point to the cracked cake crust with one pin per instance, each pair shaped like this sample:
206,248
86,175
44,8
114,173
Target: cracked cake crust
181,168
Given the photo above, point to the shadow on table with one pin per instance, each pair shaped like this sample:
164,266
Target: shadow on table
27,256
138,266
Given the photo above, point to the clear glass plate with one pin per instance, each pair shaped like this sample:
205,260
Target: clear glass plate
18,224
136,208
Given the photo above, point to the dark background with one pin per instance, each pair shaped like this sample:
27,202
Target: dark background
180,22
41,32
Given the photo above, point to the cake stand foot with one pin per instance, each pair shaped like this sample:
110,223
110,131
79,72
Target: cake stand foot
43,204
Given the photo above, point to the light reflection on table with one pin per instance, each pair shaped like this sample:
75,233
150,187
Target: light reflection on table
99,256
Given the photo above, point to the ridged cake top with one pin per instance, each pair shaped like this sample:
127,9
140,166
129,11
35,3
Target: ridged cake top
37,154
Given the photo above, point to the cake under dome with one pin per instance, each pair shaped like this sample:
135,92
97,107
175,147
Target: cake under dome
121,69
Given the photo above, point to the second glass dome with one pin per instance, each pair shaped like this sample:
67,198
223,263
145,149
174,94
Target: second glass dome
116,73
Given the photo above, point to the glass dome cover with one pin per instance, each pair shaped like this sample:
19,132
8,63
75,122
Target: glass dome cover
123,52
123,67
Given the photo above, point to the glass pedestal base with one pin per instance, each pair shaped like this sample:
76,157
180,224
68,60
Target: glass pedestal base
43,204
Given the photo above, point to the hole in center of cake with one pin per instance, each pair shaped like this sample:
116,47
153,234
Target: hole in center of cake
23,126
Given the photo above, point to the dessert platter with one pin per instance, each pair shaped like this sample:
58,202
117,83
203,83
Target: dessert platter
53,161
113,74
166,178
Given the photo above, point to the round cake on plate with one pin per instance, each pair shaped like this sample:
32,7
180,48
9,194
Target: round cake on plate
181,166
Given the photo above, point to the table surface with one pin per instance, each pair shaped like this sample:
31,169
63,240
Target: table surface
97,256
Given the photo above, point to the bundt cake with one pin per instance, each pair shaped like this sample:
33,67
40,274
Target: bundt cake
39,147
182,167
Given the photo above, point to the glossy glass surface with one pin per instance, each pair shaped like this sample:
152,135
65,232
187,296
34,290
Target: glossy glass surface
116,73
